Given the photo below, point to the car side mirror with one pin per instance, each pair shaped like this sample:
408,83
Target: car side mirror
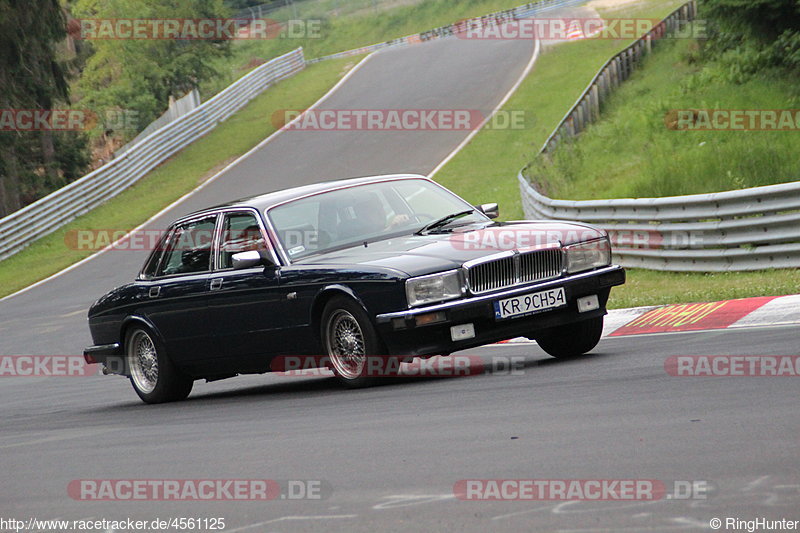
490,210
251,258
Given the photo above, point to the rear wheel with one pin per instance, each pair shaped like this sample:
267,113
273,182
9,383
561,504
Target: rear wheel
153,376
350,342
571,340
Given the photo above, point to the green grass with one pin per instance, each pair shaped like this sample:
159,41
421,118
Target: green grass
659,161
360,28
179,175
647,287
486,169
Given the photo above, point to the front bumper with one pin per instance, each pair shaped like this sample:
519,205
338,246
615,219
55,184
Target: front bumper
403,336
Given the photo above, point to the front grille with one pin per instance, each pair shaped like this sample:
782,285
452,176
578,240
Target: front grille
527,267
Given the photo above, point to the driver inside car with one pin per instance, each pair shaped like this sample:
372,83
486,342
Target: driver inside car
369,211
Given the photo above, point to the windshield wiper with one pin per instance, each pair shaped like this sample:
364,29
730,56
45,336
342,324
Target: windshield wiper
444,221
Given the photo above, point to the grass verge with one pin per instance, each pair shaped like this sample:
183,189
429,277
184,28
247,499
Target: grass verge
647,287
664,162
486,169
177,176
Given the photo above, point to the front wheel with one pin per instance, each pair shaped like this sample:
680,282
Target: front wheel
571,340
351,343
153,376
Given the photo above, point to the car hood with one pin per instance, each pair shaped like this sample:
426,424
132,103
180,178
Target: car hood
423,254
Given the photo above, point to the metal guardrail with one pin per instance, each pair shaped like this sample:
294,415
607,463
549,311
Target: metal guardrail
748,229
46,215
177,108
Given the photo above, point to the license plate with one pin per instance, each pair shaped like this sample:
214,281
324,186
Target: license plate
528,304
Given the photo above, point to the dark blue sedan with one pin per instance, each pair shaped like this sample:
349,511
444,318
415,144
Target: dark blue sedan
394,267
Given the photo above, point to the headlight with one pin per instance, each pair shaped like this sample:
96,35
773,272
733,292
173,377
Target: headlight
588,255
433,288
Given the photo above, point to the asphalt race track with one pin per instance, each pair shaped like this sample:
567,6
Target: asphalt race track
387,458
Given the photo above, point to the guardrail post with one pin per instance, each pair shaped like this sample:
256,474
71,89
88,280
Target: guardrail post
602,83
582,116
595,103
614,74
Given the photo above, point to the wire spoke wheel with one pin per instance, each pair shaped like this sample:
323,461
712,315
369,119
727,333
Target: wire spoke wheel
153,376
143,361
346,345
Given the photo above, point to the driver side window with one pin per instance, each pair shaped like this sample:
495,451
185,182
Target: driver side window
240,233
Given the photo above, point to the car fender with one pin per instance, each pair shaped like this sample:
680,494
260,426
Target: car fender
140,320
326,293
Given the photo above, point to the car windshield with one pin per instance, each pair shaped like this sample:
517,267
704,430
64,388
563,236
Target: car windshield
364,213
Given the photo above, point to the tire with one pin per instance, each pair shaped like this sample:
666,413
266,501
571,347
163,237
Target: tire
348,339
571,340
153,376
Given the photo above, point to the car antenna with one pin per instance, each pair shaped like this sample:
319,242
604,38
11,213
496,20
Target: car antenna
365,244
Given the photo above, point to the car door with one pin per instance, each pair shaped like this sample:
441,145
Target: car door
245,305
177,295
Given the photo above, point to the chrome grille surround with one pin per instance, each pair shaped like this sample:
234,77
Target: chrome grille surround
512,268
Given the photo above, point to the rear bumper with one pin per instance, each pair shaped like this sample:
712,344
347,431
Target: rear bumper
403,336
101,353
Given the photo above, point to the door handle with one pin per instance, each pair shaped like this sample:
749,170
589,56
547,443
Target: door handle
216,283
154,292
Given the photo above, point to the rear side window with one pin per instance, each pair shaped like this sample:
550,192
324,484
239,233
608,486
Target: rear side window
189,248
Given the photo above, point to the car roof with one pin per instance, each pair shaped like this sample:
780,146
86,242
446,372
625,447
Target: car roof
265,201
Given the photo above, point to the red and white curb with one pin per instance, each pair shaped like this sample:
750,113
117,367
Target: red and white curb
575,32
742,313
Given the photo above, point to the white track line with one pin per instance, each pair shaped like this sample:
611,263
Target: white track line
497,108
193,191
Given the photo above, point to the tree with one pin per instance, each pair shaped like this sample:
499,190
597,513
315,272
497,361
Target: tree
764,20
764,33
141,74
31,77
